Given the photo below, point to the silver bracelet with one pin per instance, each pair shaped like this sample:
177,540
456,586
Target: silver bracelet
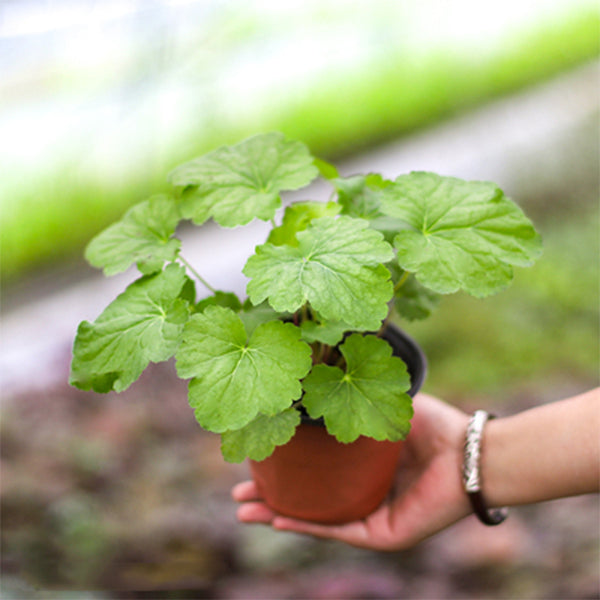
471,475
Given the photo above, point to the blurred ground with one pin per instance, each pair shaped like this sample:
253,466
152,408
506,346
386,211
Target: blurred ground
123,496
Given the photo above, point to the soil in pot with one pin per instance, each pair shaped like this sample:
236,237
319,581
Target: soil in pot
316,478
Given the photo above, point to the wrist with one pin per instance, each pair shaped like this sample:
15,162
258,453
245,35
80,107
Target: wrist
505,452
547,452
497,462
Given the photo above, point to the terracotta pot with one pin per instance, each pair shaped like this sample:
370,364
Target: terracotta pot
316,478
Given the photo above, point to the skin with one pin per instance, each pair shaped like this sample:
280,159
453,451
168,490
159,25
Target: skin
548,452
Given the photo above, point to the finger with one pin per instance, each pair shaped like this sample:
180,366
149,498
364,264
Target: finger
255,512
245,492
354,533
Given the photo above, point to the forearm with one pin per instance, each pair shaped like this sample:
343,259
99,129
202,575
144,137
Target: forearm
548,452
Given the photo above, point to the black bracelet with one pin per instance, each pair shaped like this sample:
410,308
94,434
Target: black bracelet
471,477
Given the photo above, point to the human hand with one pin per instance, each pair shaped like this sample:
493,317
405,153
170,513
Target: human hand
427,498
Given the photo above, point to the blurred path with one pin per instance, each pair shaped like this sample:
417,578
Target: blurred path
539,143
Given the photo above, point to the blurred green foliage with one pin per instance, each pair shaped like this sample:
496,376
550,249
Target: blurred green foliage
397,96
50,216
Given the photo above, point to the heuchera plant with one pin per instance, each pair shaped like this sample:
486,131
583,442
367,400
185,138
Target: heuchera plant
321,290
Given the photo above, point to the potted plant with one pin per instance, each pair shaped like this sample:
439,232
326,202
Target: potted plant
309,359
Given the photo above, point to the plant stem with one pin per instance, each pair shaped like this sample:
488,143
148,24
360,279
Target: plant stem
326,351
384,325
197,275
398,285
304,312
317,352
401,281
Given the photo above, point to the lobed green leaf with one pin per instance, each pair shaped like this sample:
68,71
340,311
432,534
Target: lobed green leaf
360,195
326,332
415,302
412,300
258,439
235,378
459,234
336,267
235,184
143,235
297,217
368,399
253,316
142,325
219,298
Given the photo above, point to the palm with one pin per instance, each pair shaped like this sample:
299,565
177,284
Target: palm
427,497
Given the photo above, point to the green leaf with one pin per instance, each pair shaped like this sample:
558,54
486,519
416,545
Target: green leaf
235,184
235,379
412,300
297,217
188,291
360,195
459,234
227,299
326,332
258,439
369,399
336,267
142,325
142,236
326,170
253,316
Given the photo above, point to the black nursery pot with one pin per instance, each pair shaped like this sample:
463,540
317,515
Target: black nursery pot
316,478
404,347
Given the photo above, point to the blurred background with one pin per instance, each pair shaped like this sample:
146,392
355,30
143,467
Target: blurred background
123,496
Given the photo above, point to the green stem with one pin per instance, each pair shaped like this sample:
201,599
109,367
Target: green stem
305,315
398,285
401,281
197,275
384,325
317,353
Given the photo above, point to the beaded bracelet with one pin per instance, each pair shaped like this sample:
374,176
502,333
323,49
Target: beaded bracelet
471,476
